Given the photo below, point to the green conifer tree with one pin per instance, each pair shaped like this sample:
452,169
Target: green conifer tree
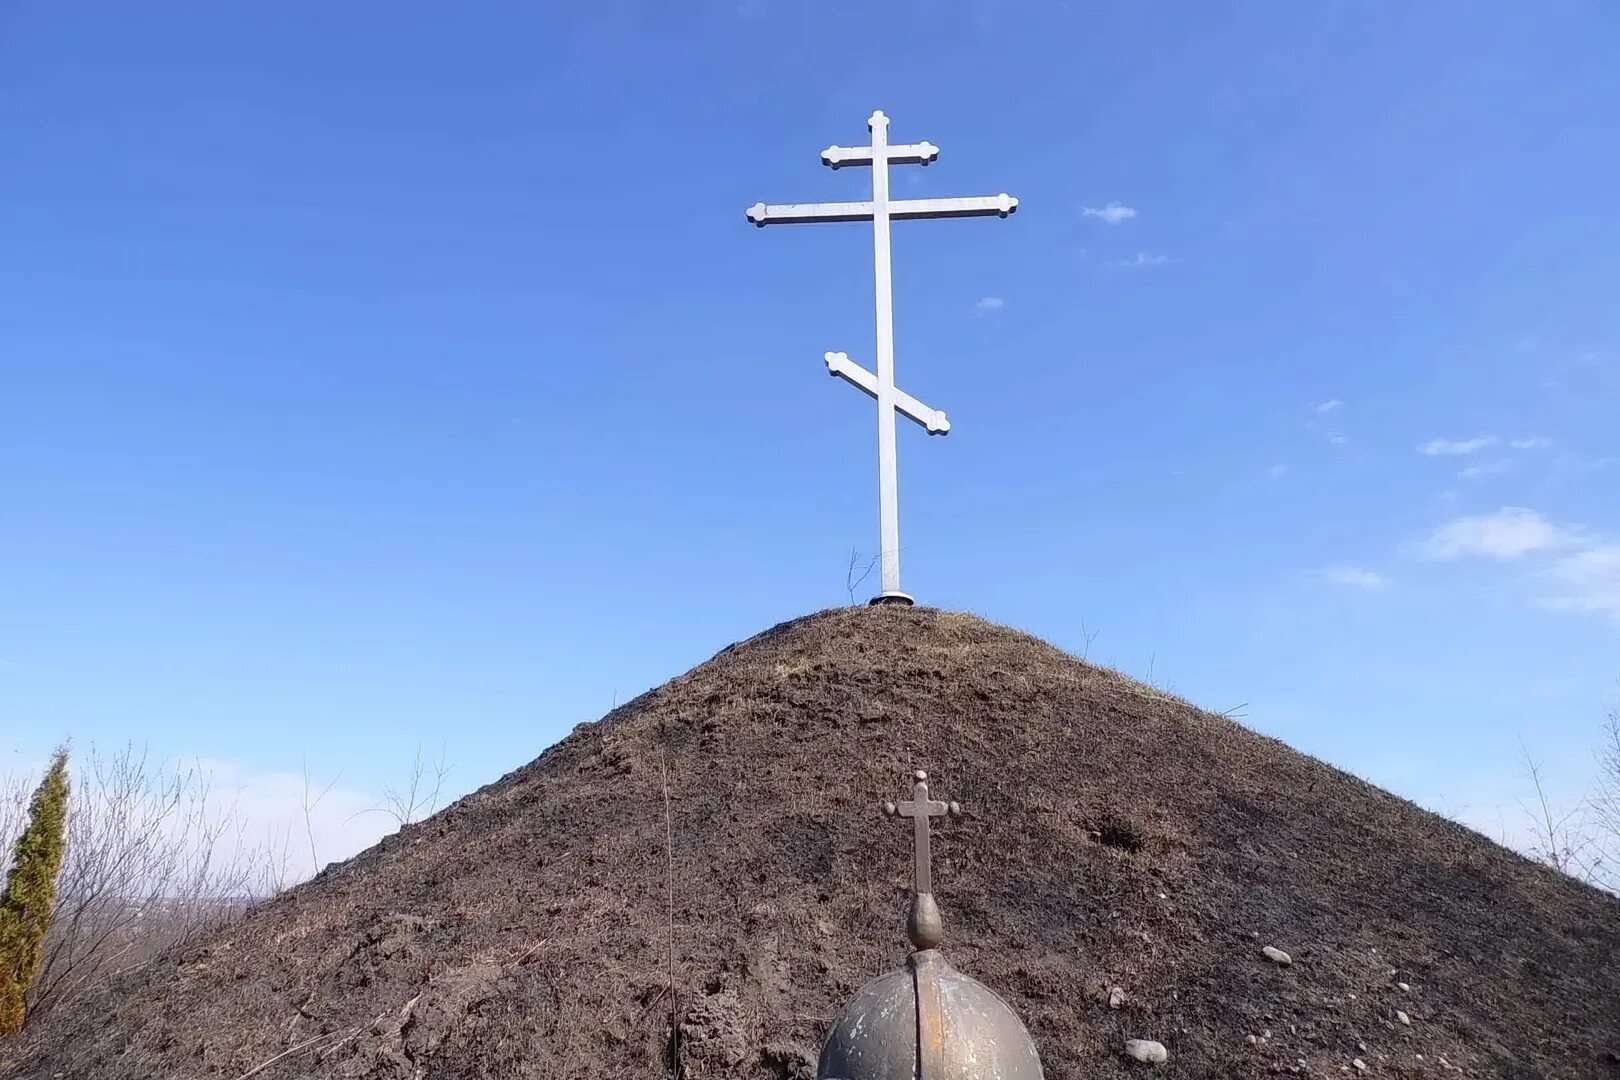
25,906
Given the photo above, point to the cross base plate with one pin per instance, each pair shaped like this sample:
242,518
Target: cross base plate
900,598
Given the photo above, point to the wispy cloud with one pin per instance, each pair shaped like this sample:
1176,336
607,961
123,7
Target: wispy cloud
341,819
1509,533
1275,471
1338,438
1577,465
1582,570
1588,582
1112,214
283,823
1536,442
1449,447
1486,469
1352,577
1330,405
985,305
1142,260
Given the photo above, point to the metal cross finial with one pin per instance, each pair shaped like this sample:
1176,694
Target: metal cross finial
924,925
880,211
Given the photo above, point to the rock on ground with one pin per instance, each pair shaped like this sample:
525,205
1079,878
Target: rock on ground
1153,1053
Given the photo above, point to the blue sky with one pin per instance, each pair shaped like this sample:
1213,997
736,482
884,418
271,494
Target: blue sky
378,375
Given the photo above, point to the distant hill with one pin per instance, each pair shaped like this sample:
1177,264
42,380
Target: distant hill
1113,836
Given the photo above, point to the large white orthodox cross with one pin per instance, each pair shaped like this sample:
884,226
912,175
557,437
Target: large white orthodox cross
880,211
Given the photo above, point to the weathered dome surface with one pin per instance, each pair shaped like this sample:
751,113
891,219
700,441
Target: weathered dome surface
976,1035
1112,835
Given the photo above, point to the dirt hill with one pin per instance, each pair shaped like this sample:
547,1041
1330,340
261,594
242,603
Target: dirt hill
1113,836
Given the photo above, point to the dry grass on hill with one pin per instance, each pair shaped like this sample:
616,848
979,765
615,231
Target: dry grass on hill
1114,836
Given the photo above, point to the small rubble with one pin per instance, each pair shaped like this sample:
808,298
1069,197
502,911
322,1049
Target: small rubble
1116,997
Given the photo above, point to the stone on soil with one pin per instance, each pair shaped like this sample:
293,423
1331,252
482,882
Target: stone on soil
1146,1050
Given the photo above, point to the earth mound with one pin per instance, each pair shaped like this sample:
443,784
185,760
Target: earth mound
573,920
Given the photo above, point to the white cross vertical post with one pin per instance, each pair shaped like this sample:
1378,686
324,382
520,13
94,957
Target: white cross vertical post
888,467
880,211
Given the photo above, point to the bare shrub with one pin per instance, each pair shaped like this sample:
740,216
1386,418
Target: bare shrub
419,796
1606,800
416,798
1558,836
14,791
1581,839
152,858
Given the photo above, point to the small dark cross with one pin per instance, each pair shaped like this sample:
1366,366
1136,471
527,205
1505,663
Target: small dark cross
919,808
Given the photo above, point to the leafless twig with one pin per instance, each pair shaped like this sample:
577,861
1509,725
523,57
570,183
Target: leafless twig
307,1043
669,885
309,806
1087,636
851,580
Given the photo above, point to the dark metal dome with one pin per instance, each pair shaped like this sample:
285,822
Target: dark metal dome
968,1032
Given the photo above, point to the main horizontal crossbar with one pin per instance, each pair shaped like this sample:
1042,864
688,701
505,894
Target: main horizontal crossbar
841,365
763,214
973,206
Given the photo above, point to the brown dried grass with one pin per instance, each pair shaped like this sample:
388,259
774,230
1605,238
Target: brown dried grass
1114,835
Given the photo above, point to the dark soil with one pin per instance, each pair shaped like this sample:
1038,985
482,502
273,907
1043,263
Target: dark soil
1113,836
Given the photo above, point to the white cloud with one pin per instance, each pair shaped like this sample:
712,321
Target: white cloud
1330,405
1338,438
269,807
987,304
1587,581
1576,465
1486,469
1445,447
1276,470
1353,577
1536,442
1143,259
1509,533
1582,570
1112,214
240,818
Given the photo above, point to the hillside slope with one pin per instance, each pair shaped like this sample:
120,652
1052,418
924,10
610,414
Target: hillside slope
1113,836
